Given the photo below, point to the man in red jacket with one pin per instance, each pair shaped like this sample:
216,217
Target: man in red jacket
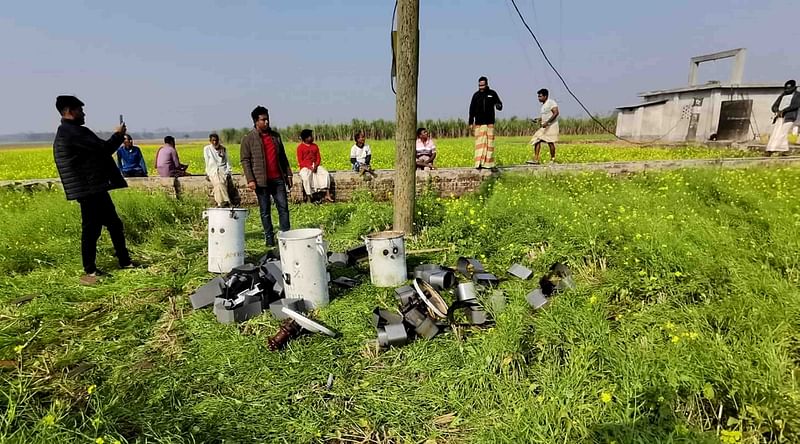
267,171
314,177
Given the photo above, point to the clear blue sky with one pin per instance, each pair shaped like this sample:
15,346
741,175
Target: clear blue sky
205,64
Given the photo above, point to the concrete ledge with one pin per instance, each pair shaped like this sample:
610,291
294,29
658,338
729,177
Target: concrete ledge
453,182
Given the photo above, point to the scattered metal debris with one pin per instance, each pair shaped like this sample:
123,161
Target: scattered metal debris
441,278
405,294
346,282
486,279
431,298
308,324
422,324
276,307
469,266
338,259
467,299
537,299
557,279
205,295
520,271
293,326
390,328
329,383
288,330
354,255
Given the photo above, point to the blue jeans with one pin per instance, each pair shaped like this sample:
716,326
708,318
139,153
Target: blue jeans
276,189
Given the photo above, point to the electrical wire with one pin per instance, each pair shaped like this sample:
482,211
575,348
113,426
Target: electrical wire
391,44
569,90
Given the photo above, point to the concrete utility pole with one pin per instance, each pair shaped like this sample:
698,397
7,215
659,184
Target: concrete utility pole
407,54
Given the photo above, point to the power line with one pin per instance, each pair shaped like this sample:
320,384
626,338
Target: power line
391,44
569,90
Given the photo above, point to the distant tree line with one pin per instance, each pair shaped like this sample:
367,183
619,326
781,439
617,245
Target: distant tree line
384,129
374,129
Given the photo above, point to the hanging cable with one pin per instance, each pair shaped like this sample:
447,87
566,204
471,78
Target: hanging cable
391,44
566,86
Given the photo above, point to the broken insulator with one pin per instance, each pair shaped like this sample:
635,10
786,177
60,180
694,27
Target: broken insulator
288,330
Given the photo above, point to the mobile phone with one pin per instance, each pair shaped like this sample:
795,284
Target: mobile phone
121,121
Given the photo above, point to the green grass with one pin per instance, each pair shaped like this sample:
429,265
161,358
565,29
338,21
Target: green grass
37,162
685,325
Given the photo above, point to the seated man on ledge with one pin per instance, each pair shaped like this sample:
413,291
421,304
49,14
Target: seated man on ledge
314,177
167,162
361,155
130,160
426,150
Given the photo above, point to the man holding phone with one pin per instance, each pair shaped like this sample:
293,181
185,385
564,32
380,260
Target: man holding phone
88,171
267,170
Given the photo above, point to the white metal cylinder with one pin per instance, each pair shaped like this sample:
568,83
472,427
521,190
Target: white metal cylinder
387,258
225,238
304,262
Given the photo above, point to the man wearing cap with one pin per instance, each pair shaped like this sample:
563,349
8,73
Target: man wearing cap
88,171
786,115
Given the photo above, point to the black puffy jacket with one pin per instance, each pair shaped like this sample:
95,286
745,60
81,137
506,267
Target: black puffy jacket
85,161
482,106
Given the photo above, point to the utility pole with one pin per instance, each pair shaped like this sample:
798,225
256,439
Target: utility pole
407,55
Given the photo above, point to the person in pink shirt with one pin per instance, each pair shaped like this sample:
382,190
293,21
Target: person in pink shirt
167,162
426,150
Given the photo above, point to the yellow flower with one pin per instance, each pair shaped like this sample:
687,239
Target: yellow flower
730,436
49,419
99,441
90,389
676,339
605,397
593,299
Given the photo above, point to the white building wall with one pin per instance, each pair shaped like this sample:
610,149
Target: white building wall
668,123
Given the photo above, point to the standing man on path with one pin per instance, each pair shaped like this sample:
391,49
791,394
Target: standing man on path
481,122
786,115
267,171
218,171
88,171
548,118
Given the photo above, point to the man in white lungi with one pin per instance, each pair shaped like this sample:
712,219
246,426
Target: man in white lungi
549,131
218,170
786,110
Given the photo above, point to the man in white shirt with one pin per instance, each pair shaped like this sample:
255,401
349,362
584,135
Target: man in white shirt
218,170
549,130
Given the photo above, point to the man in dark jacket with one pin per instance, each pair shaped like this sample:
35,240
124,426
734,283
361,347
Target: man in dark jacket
88,172
481,122
267,171
786,114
